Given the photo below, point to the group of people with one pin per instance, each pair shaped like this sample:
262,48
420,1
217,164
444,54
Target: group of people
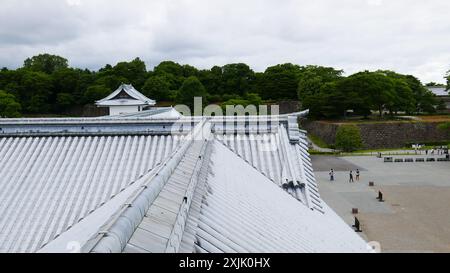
351,178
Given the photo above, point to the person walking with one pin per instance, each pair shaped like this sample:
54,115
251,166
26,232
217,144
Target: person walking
351,177
357,174
332,175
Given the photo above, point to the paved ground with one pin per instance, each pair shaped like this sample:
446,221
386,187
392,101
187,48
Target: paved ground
416,214
326,163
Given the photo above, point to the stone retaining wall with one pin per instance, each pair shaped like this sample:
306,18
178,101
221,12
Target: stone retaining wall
382,135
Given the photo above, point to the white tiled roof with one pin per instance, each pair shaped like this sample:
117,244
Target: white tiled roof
214,200
439,91
133,184
287,165
48,184
137,97
243,211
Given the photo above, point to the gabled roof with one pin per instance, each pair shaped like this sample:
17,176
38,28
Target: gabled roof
126,94
50,184
138,184
261,217
209,198
440,91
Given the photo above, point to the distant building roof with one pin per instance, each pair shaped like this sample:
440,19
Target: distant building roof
171,184
155,113
125,95
439,90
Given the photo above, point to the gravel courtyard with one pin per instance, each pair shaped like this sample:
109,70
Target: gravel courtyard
415,216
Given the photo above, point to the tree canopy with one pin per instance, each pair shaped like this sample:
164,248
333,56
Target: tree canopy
191,88
158,88
47,85
9,107
280,82
363,93
45,63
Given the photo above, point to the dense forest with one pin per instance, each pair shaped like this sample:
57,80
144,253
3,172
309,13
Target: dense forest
46,84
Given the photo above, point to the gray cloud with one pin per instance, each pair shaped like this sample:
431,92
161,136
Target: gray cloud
409,36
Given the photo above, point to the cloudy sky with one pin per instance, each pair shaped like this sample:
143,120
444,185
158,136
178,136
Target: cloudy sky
409,36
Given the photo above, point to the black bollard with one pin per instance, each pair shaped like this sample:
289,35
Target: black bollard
357,225
380,196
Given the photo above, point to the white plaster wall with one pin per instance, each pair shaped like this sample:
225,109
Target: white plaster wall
118,110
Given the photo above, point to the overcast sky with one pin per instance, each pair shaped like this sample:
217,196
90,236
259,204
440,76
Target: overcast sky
409,36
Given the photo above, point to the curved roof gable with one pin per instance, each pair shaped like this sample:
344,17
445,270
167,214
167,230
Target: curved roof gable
126,94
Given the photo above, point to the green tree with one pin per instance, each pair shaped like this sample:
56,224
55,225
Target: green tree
112,82
9,107
403,100
442,105
425,100
248,99
348,138
279,82
312,78
318,91
174,82
189,71
45,63
172,72
434,84
253,99
157,88
169,67
135,72
64,101
46,84
96,92
66,80
371,90
38,104
333,101
35,91
191,88
211,79
421,96
10,81
428,102
87,78
236,79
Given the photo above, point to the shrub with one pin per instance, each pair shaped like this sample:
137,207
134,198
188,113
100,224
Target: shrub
348,138
214,98
9,107
444,126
